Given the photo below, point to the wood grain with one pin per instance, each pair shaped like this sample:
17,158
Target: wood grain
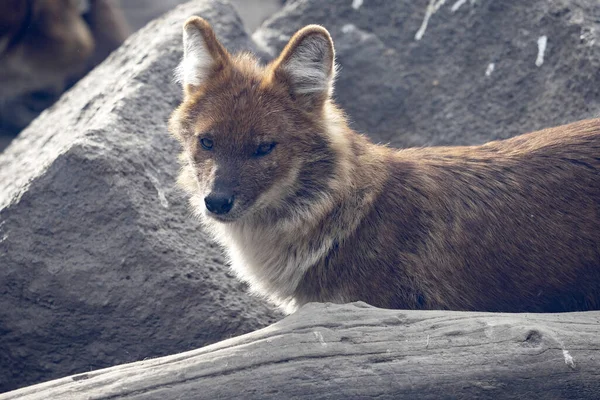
327,351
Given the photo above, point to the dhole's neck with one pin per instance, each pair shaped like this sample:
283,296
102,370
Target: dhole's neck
360,164
342,141
358,175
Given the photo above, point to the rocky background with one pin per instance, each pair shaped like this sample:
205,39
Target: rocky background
252,12
456,72
17,111
100,262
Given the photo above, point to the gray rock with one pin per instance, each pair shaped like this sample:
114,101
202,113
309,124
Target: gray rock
252,12
441,89
100,260
354,351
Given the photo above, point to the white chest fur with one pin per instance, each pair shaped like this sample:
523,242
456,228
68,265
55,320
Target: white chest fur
272,261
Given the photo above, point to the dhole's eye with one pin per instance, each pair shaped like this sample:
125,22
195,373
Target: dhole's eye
264,149
206,143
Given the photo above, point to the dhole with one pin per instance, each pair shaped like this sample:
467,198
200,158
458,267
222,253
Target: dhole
309,210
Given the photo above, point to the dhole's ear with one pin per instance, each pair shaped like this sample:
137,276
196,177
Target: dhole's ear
203,55
307,66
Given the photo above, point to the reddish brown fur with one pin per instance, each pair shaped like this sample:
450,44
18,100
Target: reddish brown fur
508,226
511,225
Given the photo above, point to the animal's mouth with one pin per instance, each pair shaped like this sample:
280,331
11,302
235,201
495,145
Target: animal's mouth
224,218
236,214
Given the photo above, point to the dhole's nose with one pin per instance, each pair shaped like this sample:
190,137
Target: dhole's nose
219,203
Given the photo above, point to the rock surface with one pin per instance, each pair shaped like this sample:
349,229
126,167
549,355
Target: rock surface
100,261
354,351
252,12
471,77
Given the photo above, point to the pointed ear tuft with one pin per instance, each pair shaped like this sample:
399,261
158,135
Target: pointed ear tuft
307,66
202,54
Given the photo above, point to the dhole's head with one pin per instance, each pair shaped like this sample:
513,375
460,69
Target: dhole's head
257,140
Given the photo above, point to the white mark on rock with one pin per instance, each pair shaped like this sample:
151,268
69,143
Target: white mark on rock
431,9
427,345
161,194
356,4
4,236
348,28
351,28
260,38
319,337
587,36
457,5
568,359
542,42
490,68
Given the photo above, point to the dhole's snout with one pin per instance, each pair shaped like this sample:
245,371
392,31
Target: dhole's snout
219,202
221,198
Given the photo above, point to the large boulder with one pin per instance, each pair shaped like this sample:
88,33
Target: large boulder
100,260
423,72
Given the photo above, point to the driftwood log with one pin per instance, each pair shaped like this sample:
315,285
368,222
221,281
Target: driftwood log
327,351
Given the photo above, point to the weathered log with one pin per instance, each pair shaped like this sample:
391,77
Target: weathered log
327,351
